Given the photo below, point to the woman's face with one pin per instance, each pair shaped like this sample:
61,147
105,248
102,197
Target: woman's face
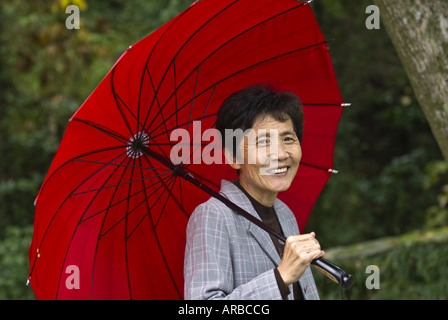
271,159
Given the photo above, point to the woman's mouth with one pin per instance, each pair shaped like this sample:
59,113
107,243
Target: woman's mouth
278,171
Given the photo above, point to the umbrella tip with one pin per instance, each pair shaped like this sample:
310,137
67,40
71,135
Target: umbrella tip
333,171
28,281
346,104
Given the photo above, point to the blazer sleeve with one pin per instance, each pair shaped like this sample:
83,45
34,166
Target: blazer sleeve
208,263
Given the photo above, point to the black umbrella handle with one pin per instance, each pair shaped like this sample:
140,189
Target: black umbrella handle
334,273
329,269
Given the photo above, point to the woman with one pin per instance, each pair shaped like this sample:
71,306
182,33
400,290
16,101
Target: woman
226,256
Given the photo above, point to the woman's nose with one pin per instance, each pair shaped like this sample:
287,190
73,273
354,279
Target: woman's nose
279,151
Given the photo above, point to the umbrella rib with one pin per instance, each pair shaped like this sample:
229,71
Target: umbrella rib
181,204
116,102
126,235
325,104
158,103
203,144
104,130
202,118
319,168
175,93
192,100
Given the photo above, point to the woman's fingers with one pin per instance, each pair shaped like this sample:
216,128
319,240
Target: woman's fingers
298,253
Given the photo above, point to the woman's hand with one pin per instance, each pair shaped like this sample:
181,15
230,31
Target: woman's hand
298,253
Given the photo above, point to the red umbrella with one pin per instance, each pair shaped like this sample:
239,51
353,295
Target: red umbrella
112,212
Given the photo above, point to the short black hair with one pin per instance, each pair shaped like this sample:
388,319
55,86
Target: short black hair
242,108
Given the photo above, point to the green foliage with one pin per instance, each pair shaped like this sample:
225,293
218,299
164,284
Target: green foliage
44,67
14,264
411,267
437,177
389,203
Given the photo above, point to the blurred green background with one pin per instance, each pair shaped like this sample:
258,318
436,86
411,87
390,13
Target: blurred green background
386,207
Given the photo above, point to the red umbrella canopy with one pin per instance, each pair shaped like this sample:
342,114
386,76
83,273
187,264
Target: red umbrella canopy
110,221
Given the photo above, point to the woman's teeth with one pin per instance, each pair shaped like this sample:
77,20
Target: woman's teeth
278,171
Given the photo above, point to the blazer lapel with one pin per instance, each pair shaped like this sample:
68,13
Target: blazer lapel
286,219
234,194
264,241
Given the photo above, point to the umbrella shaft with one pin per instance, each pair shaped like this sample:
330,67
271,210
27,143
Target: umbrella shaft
179,171
332,271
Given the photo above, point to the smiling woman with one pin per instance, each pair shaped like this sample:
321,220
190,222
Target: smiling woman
226,257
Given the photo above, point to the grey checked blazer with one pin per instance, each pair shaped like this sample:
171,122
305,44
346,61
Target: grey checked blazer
228,257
